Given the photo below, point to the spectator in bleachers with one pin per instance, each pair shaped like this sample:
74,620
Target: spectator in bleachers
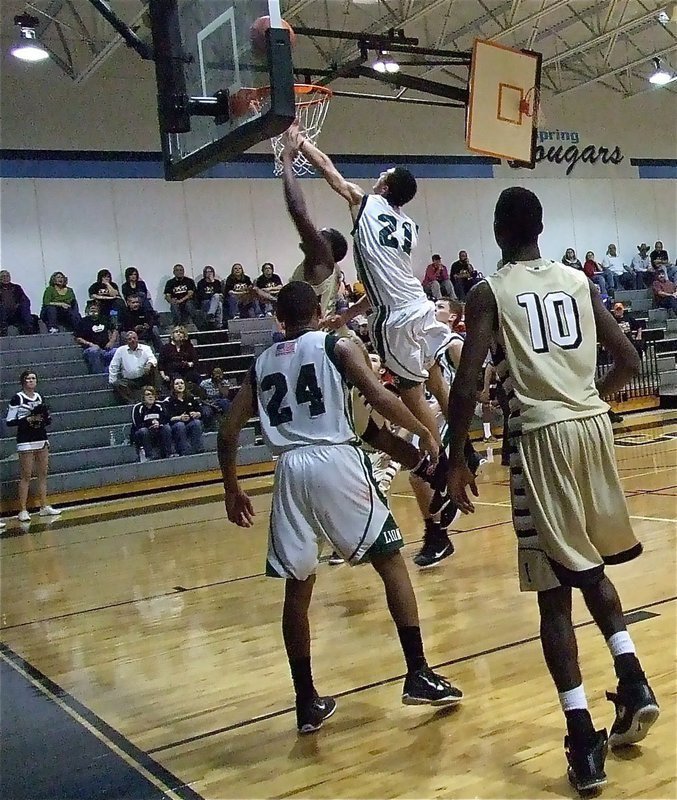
179,293
615,273
211,391
660,259
28,413
179,357
98,339
362,330
151,432
15,307
570,259
184,413
594,271
223,402
271,283
436,281
209,297
59,306
133,366
629,326
210,386
143,320
664,291
641,266
239,302
344,293
463,275
133,285
108,295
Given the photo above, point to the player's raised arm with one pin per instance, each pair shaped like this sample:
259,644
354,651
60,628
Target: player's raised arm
238,504
480,322
626,362
348,191
358,373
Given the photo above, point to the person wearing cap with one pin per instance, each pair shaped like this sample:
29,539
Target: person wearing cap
641,266
664,291
362,330
628,325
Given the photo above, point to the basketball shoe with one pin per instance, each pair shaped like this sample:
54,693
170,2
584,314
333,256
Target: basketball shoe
436,547
310,716
426,688
636,711
586,762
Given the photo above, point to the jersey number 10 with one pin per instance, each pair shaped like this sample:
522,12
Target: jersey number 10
556,319
307,391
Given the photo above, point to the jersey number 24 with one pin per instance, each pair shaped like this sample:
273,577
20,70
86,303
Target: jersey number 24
307,391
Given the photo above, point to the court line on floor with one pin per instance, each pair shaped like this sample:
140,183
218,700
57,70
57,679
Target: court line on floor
384,682
141,761
224,582
654,519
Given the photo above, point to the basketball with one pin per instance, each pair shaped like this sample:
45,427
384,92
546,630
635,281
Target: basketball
258,30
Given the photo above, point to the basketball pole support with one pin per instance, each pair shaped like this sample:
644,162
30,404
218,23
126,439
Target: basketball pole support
121,27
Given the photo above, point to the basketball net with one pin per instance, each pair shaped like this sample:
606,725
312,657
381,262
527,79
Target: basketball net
530,106
312,104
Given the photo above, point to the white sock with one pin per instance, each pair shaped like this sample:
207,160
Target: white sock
620,643
487,429
574,698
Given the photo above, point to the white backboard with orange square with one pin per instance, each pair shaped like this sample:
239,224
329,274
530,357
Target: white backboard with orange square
503,83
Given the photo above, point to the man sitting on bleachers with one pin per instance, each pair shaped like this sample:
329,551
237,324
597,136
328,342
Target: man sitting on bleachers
15,307
142,319
664,292
98,339
133,367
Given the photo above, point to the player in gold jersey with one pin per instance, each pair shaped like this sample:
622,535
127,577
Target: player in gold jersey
542,321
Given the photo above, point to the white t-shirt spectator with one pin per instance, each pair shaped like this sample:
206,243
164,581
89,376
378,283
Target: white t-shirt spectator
613,263
130,364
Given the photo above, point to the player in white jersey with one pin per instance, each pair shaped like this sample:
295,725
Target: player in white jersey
299,388
402,324
543,321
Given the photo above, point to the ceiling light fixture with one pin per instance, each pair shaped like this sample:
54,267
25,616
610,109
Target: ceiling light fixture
660,77
28,48
385,63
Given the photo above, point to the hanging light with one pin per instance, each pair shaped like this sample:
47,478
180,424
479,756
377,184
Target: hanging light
28,48
385,63
660,76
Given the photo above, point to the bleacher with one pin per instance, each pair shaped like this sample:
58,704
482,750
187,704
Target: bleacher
90,454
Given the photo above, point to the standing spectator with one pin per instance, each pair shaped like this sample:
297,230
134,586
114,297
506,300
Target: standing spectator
463,275
179,293
664,291
143,320
178,357
15,307
570,259
98,339
593,270
209,297
151,433
238,296
183,411
59,305
660,259
271,283
436,280
134,285
29,414
133,366
615,273
106,292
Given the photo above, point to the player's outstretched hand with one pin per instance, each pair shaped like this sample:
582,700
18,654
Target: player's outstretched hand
290,145
332,322
239,508
293,135
434,476
430,447
459,478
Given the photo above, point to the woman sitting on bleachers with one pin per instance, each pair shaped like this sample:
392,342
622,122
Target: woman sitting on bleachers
59,306
185,418
151,433
106,291
178,357
133,285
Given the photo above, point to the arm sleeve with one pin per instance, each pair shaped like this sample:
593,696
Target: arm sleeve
12,419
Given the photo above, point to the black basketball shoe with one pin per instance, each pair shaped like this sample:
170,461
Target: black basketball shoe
586,763
436,547
310,716
426,688
636,711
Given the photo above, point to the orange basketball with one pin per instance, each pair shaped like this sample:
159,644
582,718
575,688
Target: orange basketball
257,33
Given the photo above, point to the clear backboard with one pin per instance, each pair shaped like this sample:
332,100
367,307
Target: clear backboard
504,102
206,61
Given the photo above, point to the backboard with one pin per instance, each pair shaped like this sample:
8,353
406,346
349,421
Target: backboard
204,58
504,84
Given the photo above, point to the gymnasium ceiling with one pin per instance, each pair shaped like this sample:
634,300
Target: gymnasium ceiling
609,43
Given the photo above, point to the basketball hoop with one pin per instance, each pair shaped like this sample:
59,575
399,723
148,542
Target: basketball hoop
530,106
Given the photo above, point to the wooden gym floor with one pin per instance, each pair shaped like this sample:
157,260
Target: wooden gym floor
141,653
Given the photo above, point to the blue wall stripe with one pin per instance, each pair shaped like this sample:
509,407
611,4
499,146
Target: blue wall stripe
654,172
